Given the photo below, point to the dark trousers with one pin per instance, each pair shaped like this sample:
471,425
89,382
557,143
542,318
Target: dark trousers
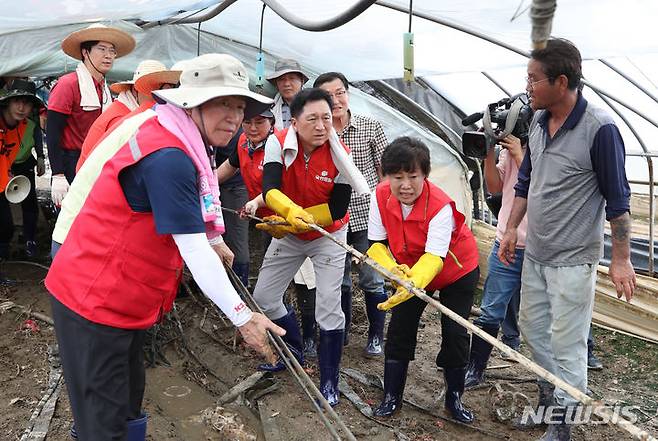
29,206
402,332
104,372
237,230
6,226
70,161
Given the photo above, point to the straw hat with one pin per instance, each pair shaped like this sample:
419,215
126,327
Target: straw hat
154,80
123,42
156,72
21,88
211,76
284,66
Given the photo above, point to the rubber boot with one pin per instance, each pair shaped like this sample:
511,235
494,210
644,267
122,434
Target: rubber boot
545,400
560,429
346,305
329,354
480,353
454,378
137,429
242,271
306,304
376,319
293,339
395,377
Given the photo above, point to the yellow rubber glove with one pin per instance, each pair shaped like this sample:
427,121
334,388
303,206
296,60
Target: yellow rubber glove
295,215
382,255
321,214
422,273
276,231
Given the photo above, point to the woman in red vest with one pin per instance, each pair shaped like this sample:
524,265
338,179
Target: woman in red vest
248,159
419,234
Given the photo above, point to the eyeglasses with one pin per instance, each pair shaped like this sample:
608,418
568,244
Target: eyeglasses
106,50
531,83
337,94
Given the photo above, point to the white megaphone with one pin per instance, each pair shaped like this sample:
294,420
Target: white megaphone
18,189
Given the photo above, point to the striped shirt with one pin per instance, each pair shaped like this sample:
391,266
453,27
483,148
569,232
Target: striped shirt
366,139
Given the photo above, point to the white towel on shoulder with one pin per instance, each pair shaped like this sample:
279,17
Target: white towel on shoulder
128,99
88,95
342,160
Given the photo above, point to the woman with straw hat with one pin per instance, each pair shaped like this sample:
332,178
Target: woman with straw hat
80,97
153,75
153,206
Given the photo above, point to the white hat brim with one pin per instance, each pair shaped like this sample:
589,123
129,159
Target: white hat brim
189,97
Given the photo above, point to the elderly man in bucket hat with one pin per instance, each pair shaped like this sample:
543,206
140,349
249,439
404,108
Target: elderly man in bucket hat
16,105
80,97
151,75
288,79
152,207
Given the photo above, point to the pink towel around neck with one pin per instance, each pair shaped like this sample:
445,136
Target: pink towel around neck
181,125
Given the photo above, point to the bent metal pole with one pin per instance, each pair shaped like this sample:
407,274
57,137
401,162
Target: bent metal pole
598,407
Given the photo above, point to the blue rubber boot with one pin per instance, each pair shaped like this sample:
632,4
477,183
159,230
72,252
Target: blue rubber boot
137,429
395,377
346,306
293,339
454,378
329,354
376,319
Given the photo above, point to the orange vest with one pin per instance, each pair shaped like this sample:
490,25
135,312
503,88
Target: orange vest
114,268
10,144
311,183
102,124
407,238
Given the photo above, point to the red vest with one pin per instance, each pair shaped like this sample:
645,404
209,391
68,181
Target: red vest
407,238
309,184
114,268
251,169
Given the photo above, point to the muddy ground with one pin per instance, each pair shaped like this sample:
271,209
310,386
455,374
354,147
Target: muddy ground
193,368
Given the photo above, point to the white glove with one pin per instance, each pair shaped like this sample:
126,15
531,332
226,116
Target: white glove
251,207
58,189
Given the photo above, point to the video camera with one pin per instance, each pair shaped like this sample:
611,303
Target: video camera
507,116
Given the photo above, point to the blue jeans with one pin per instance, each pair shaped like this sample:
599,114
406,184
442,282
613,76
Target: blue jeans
369,280
503,283
510,327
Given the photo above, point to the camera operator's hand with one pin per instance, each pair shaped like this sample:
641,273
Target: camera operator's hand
513,145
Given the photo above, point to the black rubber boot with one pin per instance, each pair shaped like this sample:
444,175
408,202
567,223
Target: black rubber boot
293,339
480,353
545,400
346,305
454,378
329,354
560,430
376,319
395,377
306,304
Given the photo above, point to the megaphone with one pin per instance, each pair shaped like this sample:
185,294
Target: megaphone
18,189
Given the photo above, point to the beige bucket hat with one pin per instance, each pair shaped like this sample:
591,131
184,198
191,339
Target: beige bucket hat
211,76
284,66
123,42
